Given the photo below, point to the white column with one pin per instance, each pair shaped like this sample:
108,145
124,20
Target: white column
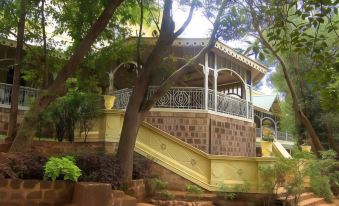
206,73
215,88
215,83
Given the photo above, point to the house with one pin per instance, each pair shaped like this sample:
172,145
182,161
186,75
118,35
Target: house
203,129
214,108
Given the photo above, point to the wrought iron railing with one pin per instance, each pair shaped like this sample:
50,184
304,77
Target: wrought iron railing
192,98
229,105
284,136
26,94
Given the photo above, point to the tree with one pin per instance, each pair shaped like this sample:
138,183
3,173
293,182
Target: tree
282,26
12,125
139,104
22,141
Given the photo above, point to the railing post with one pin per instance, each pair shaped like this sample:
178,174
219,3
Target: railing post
286,135
247,109
215,90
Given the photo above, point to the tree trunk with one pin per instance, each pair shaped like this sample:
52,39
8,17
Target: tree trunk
138,105
301,116
23,139
133,115
12,125
331,141
44,64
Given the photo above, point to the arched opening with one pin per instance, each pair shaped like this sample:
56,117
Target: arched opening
230,83
124,75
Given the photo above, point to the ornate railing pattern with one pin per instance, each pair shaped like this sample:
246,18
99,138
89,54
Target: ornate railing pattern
284,136
230,105
192,98
26,94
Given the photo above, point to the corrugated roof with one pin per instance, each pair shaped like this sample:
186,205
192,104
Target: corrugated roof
264,101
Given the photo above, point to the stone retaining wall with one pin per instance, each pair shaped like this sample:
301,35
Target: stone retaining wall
61,148
34,192
210,133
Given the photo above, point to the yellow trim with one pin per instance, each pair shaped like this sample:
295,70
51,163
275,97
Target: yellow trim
205,170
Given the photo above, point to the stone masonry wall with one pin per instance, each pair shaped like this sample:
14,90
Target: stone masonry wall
4,119
210,133
34,192
232,137
49,148
192,128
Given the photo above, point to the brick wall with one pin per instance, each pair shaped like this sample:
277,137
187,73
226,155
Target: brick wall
232,137
61,148
4,119
192,128
34,192
208,132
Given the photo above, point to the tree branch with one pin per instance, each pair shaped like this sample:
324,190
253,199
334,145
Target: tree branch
177,75
140,33
186,23
301,116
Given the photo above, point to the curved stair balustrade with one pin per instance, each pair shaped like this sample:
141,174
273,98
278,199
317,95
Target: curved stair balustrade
193,98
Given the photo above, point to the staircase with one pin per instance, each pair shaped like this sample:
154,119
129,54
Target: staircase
308,199
206,170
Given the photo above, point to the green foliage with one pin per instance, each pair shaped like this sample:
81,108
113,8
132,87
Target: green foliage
324,174
61,168
167,195
230,192
287,173
193,189
74,108
159,184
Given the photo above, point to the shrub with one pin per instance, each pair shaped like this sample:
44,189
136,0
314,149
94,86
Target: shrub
193,189
61,168
141,167
29,166
74,108
23,166
323,174
159,184
100,168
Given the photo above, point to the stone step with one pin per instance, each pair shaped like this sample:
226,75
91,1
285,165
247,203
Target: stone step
315,201
303,196
144,204
183,195
125,200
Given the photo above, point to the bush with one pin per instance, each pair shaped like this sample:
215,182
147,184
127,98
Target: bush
75,108
23,166
141,167
61,168
29,166
100,168
323,174
193,189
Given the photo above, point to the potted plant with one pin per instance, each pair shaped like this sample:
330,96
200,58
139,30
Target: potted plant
109,99
306,148
267,142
